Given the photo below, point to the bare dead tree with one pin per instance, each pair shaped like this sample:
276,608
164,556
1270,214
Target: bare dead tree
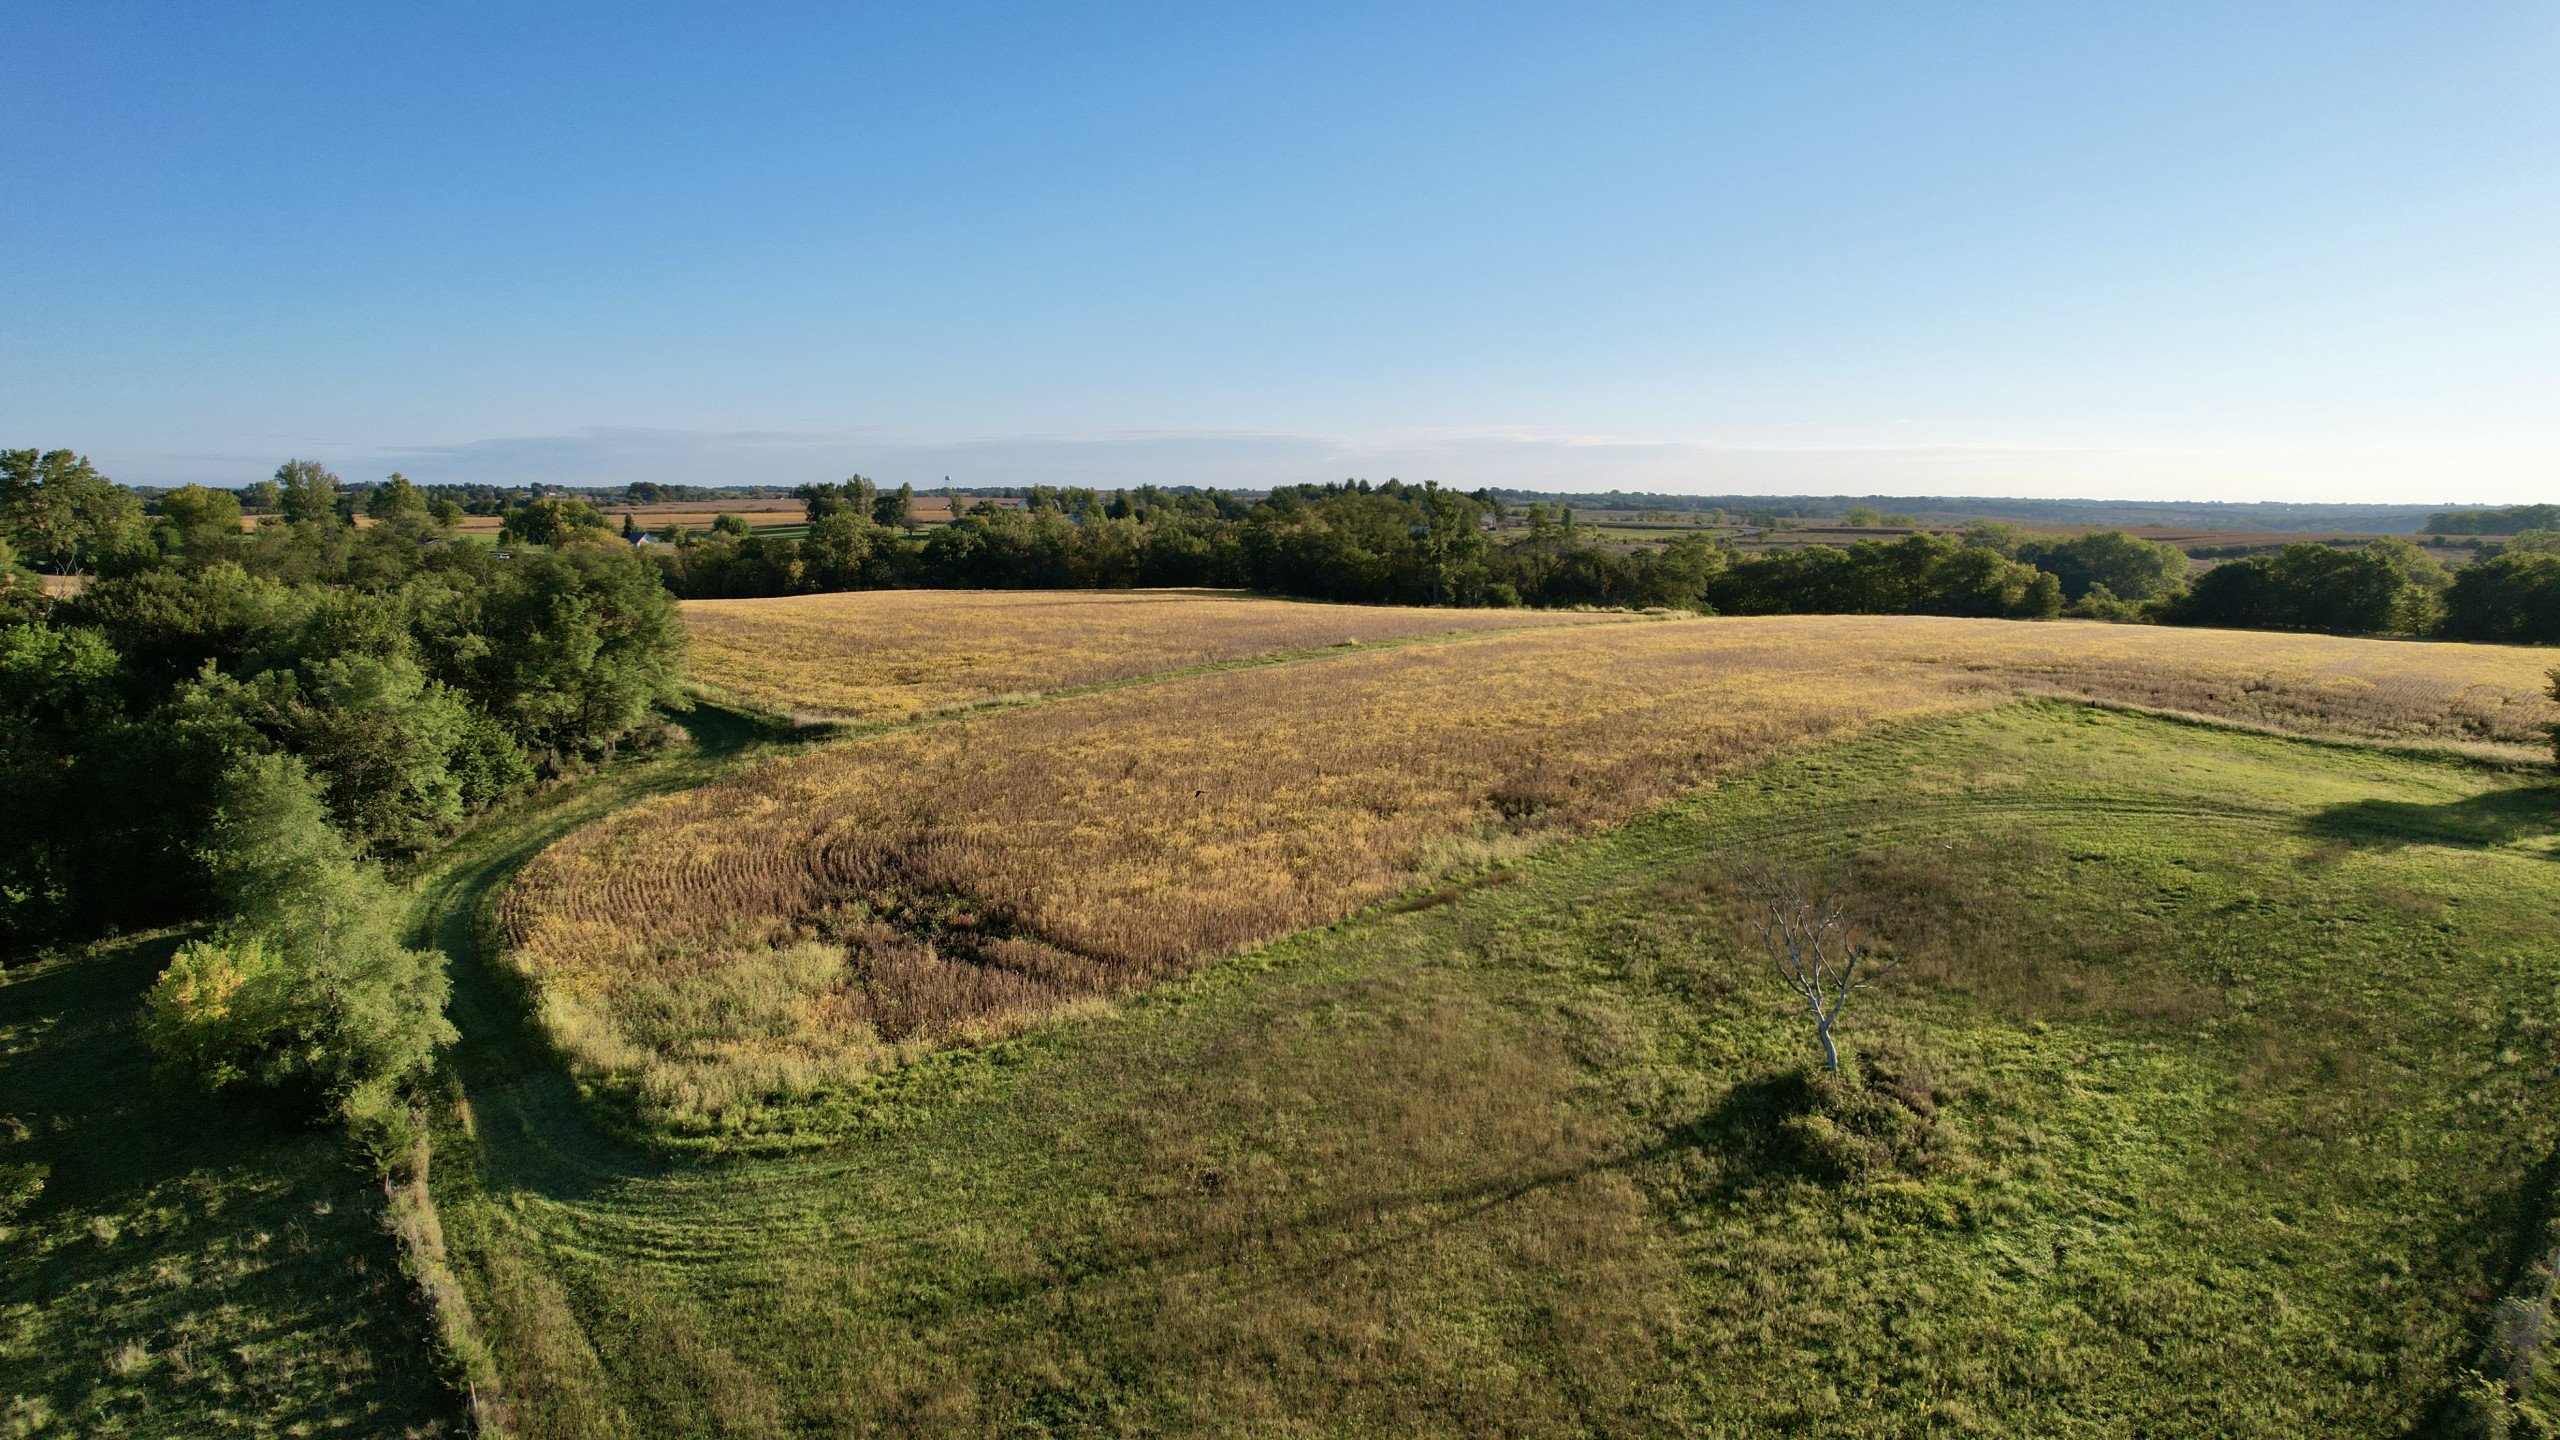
1824,949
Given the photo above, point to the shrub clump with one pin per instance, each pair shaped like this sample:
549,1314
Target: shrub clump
1880,1117
306,989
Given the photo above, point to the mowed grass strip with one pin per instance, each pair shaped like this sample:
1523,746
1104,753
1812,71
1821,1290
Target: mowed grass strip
888,654
2240,1049
817,920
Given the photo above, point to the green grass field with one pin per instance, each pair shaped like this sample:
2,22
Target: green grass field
2225,1110
182,1266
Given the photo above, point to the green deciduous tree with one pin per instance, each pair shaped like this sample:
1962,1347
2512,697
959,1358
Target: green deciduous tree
552,520
2129,567
61,514
400,758
2387,587
569,650
847,551
1998,535
394,498
200,510
2514,597
306,987
895,509
306,492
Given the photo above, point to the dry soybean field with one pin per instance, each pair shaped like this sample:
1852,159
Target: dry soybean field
888,653
811,922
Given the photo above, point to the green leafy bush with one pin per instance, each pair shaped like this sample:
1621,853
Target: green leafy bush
218,1011
307,990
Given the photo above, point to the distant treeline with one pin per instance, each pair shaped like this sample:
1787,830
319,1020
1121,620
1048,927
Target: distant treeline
1949,510
266,497
1388,543
1939,511
2509,520
1409,544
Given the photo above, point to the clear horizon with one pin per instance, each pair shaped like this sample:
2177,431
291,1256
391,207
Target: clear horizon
2306,255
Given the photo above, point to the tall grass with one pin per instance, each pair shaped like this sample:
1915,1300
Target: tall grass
818,919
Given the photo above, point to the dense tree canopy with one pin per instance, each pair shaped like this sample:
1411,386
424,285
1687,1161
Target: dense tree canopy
2389,587
2127,567
238,727
413,679
2511,597
62,515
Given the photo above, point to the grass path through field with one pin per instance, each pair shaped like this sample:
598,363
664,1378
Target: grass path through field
2242,1056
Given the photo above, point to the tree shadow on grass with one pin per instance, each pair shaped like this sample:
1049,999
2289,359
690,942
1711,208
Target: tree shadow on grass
2478,822
1744,1132
229,1256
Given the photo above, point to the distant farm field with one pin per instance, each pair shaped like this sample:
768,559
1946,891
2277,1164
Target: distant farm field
691,514
886,653
800,926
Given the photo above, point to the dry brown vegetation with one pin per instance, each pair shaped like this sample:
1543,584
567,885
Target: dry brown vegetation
886,653
814,920
2488,699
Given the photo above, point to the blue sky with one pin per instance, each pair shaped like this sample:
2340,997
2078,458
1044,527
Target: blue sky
2213,251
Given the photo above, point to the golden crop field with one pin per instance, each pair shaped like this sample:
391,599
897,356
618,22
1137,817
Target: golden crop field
874,654
818,919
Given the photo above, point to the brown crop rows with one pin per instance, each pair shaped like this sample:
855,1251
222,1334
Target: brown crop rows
817,919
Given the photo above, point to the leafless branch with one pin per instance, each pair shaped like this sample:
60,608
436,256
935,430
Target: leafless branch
1822,946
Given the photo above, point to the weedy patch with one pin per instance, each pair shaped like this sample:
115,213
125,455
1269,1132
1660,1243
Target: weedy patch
1880,1118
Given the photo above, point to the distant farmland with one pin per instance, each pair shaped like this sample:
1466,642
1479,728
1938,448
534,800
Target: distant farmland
886,653
815,920
692,514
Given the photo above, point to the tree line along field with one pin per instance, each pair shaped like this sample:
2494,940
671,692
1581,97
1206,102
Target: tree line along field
760,512
2224,1113
718,957
888,654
